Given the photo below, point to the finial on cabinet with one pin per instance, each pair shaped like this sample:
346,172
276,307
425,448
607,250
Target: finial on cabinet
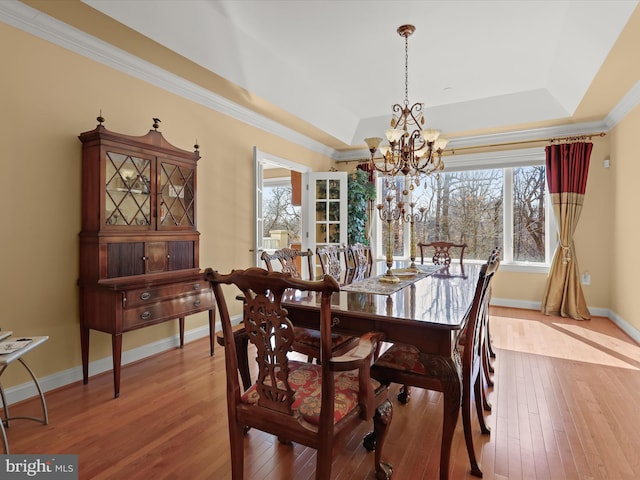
156,123
100,118
196,146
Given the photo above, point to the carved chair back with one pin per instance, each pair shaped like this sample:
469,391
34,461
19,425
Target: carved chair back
441,251
333,260
360,261
290,261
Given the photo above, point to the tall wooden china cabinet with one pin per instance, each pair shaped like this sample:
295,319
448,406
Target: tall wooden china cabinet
139,243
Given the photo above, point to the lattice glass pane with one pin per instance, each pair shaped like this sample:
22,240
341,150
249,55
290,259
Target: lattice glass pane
177,205
127,200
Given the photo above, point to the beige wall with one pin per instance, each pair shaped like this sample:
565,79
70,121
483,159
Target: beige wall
622,248
50,95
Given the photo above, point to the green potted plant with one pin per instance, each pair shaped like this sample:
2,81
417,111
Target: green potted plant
360,196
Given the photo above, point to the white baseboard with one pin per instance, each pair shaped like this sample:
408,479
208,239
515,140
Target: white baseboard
629,329
27,390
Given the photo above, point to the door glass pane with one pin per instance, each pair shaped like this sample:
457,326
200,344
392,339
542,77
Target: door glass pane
321,233
127,199
334,211
334,233
321,189
321,211
334,189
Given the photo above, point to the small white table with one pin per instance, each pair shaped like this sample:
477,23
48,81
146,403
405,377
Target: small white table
6,360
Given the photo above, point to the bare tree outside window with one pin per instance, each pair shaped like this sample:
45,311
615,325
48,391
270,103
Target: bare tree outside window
528,213
279,213
469,207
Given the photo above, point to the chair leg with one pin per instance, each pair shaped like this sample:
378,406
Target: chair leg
236,436
466,423
485,403
381,421
486,366
492,353
481,402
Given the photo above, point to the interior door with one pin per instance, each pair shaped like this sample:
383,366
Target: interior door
258,160
262,161
327,209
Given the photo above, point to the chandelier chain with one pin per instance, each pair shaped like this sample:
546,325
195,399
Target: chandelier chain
406,70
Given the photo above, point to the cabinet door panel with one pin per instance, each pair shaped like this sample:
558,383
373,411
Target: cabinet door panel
156,253
181,255
125,259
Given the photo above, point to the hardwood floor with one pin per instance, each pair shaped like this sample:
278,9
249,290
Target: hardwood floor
566,405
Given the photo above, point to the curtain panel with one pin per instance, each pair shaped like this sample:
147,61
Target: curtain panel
567,167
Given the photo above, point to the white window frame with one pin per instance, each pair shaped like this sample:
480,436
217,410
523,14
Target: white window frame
495,160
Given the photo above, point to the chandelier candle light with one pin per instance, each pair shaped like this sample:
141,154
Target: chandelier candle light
390,214
410,153
412,218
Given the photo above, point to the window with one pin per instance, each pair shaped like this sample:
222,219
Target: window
502,205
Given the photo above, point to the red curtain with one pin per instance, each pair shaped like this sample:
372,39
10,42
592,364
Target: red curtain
567,171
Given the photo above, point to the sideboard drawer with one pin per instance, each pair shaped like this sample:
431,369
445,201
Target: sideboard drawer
146,296
167,309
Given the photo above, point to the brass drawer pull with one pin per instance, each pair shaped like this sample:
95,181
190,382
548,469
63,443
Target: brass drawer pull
145,296
196,303
145,315
196,286
335,321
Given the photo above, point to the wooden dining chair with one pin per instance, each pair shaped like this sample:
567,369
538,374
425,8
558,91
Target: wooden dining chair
290,260
487,344
334,261
307,340
406,365
441,251
311,404
360,261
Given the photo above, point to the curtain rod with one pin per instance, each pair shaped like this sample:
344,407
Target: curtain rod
575,138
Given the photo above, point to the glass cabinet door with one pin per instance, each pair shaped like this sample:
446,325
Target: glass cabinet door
177,196
128,188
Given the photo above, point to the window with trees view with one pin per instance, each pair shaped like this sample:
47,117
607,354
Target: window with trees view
497,207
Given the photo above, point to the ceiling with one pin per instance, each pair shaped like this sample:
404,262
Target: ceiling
339,64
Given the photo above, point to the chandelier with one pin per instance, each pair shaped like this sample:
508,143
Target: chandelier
409,150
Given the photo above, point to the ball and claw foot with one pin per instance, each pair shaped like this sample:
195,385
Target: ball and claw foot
384,472
404,395
369,441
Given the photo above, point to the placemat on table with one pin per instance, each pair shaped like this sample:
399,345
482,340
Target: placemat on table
374,285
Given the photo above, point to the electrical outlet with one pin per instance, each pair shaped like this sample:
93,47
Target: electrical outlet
586,278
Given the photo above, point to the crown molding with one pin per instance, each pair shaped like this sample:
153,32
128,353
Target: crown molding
59,33
624,106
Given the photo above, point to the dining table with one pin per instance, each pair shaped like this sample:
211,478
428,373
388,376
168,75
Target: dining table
426,309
